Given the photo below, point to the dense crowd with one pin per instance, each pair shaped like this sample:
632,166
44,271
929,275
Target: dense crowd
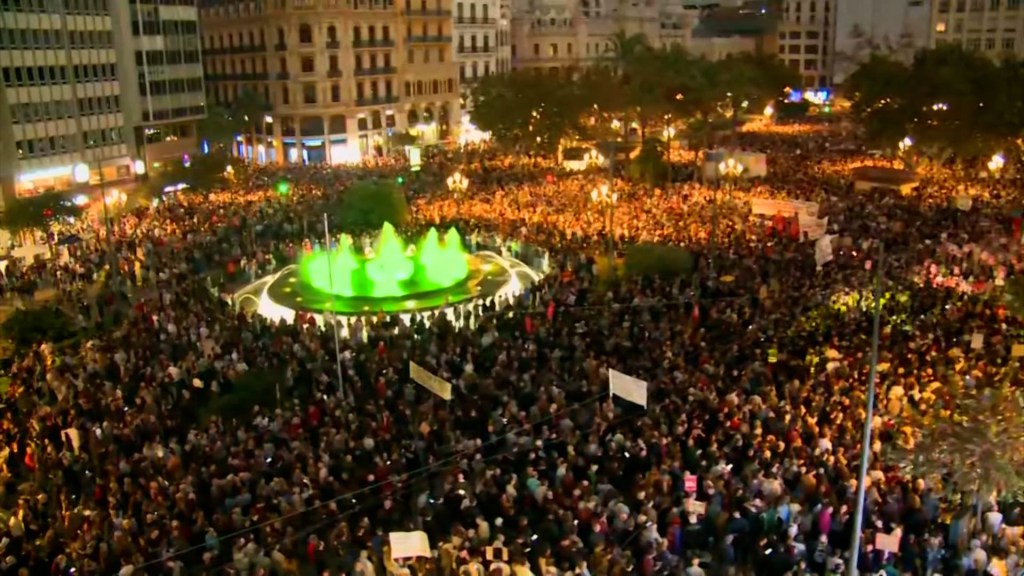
744,462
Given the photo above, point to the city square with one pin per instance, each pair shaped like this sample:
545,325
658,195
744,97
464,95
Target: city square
663,301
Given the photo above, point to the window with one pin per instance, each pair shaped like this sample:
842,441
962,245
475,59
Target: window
974,43
285,96
940,27
305,34
307,65
332,63
536,49
1008,44
990,43
309,93
335,93
332,34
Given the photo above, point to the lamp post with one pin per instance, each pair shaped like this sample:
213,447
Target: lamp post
458,183
996,163
728,170
593,158
81,174
858,517
606,199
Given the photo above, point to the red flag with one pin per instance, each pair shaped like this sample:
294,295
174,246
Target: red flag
551,311
529,325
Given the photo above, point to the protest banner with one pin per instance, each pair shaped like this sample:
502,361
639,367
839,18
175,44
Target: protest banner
424,378
628,388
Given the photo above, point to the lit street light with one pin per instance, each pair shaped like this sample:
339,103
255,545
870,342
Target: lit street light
81,175
905,144
728,170
458,183
996,163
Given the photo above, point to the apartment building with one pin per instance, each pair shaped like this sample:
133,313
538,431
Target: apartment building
564,34
163,94
477,27
995,27
61,104
807,33
339,76
894,28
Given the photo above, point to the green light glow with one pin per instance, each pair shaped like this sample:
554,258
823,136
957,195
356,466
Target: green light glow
392,269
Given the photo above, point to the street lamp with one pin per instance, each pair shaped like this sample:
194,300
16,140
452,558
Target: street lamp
458,183
81,176
905,144
728,170
606,199
593,158
996,163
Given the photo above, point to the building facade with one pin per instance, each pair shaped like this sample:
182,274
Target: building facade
338,76
163,94
895,28
565,34
995,27
61,103
807,33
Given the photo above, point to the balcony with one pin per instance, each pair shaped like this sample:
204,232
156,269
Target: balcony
378,101
334,73
280,47
253,49
428,39
361,44
471,20
428,12
379,71
477,49
333,45
283,76
247,77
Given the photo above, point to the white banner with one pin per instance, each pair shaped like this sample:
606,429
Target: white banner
424,378
813,228
409,545
823,250
768,207
628,388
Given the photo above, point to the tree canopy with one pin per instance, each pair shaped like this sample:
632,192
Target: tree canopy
950,101
974,448
366,205
37,212
635,85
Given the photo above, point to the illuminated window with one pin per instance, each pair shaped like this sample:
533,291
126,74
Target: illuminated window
940,27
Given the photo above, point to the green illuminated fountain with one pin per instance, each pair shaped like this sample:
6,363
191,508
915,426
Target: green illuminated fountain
391,270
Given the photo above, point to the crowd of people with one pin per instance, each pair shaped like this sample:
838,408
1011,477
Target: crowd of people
744,462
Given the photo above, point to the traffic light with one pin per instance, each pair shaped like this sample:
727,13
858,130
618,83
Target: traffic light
283,188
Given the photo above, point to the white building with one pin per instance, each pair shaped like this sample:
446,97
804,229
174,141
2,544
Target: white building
164,95
995,27
896,28
60,100
807,39
476,38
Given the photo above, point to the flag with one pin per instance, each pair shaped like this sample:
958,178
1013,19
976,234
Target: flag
529,325
429,381
628,388
551,311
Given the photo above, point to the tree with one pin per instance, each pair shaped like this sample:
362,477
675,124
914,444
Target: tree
219,128
204,173
748,79
526,110
366,205
402,139
969,439
28,327
649,166
250,109
659,260
952,102
37,212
